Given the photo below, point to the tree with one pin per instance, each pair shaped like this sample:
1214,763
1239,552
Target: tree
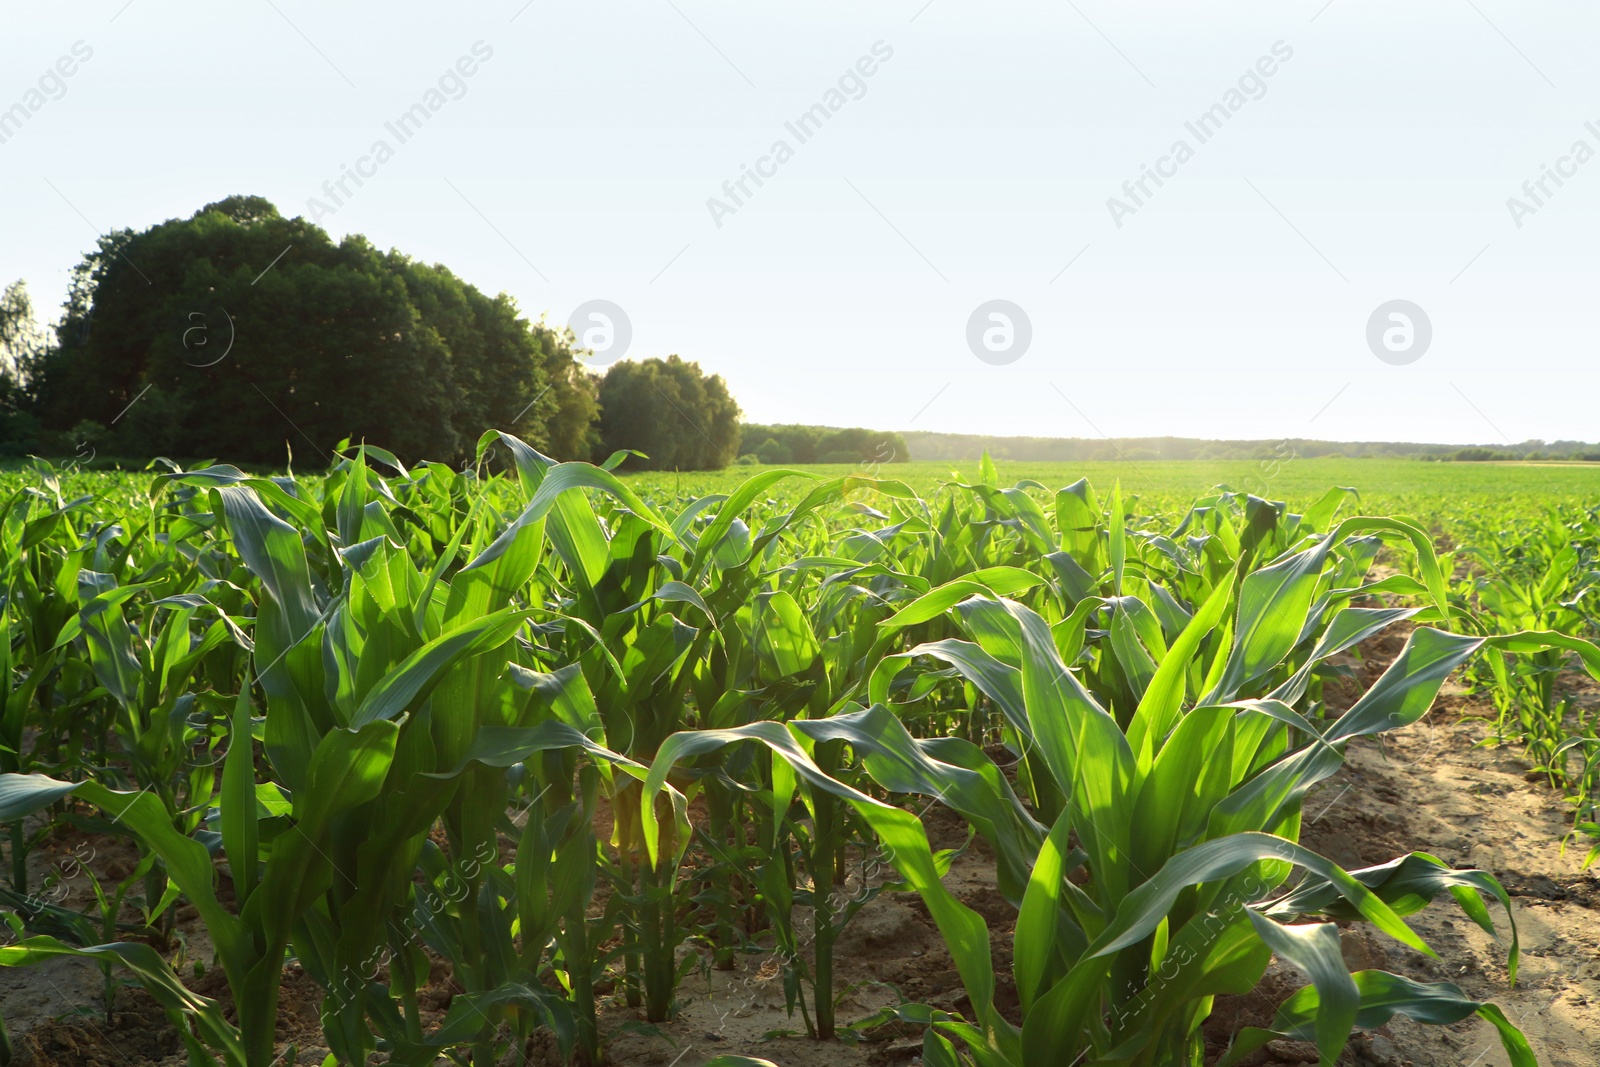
773,452
824,444
23,344
572,410
855,445
236,333
679,417
798,444
241,335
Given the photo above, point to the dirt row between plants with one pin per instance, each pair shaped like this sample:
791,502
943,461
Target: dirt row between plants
1428,787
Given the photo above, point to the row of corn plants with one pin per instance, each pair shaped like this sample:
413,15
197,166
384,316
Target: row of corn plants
572,745
1541,576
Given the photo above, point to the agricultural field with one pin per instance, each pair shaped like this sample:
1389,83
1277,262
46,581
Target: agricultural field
1441,492
1137,764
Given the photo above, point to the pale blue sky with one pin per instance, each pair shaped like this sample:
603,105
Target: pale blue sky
975,164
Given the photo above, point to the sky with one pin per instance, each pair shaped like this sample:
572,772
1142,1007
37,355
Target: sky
1354,193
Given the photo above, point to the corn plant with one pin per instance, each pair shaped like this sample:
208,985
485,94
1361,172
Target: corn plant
1121,969
1540,582
419,660
1583,788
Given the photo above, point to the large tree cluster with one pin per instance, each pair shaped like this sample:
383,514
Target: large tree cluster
670,411
237,332
245,336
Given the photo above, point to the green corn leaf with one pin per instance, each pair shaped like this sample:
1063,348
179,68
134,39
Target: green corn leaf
347,770
240,833
1084,748
1060,1015
557,480
1349,628
23,794
684,594
1406,690
735,505
940,600
419,672
272,550
1078,519
1382,997
1272,608
1163,697
1529,641
187,861
1427,561
1119,539
781,636
1409,884
1314,948
1046,941
1320,515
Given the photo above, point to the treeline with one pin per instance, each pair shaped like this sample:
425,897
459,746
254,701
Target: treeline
968,447
788,444
1528,450
241,335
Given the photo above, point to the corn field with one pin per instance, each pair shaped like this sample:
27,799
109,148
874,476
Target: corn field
575,744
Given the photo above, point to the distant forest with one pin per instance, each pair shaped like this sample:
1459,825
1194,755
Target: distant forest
959,447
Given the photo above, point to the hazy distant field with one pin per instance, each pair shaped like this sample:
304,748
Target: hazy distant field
1429,491
1426,490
